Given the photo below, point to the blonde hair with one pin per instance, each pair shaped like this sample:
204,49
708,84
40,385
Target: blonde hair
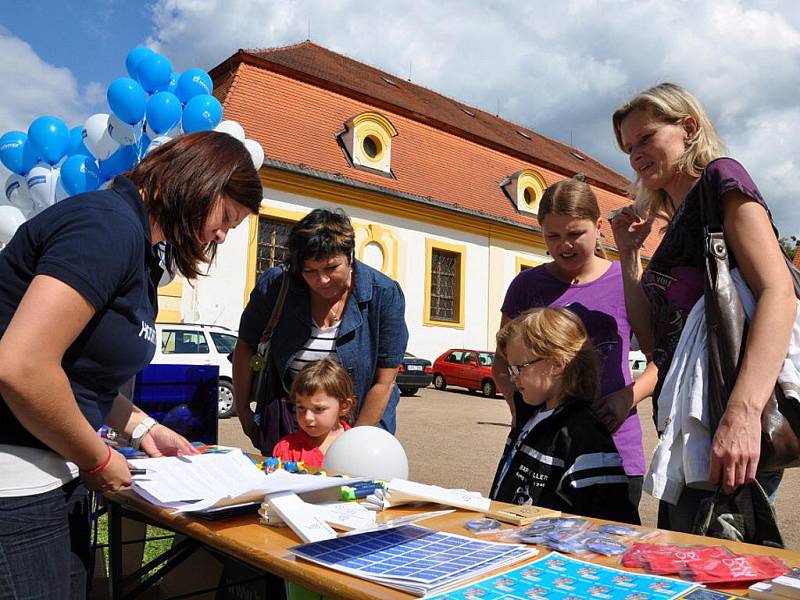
671,103
571,198
558,334
326,376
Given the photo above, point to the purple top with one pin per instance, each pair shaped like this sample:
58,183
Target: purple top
601,306
673,280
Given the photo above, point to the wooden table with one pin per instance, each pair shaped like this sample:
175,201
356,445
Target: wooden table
266,548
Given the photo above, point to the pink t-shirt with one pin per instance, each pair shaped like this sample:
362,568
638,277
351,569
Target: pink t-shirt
299,446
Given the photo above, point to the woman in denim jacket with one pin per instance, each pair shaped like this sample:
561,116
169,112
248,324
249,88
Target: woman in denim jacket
335,306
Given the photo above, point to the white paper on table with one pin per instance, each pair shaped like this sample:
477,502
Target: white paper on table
402,491
203,481
347,516
307,524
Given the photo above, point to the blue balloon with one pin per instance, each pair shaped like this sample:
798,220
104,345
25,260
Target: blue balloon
173,83
127,99
17,153
80,174
50,138
201,113
121,161
133,59
193,82
142,145
154,72
163,112
76,145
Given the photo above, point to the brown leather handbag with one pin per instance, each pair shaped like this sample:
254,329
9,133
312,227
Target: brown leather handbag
727,335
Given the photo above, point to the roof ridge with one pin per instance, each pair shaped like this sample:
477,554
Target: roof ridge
450,99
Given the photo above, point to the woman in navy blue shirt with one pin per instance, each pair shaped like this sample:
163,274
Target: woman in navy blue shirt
77,311
335,306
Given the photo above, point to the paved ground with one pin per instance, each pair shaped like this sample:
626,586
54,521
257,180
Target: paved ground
454,439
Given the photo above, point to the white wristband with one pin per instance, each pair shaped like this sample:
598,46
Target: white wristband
141,430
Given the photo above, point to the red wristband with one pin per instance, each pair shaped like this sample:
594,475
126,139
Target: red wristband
102,465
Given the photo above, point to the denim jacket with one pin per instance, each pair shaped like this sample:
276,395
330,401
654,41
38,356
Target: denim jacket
372,333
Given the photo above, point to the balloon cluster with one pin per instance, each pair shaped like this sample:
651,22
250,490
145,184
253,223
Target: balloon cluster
149,108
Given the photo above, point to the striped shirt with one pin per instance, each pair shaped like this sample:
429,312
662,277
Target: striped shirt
319,345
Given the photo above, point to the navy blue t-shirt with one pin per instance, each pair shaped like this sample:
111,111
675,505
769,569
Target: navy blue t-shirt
99,244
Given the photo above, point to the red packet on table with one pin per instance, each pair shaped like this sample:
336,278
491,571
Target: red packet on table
634,557
735,569
671,562
669,558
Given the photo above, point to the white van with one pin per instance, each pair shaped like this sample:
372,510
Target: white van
190,344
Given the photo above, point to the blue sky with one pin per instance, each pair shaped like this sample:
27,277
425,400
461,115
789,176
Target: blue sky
88,37
560,68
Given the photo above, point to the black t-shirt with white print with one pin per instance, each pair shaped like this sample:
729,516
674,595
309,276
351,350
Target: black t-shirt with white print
98,244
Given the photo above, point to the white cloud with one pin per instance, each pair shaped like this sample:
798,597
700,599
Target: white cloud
33,87
560,68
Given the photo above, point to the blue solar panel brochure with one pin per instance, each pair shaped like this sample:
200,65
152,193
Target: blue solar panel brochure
411,558
561,577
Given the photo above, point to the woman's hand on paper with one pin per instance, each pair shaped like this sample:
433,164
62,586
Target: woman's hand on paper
162,441
114,477
735,449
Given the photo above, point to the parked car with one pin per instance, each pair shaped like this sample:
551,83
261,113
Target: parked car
414,373
471,369
190,344
638,362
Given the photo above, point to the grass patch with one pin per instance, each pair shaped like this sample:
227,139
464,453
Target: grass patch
152,548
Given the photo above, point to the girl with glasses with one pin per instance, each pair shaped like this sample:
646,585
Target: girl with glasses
580,278
561,456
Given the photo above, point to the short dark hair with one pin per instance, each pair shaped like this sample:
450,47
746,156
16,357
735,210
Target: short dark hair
181,182
320,234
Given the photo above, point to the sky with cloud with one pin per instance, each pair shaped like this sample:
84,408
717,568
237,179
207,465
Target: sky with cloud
560,68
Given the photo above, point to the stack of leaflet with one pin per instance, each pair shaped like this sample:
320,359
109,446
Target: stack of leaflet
207,482
784,587
402,491
413,559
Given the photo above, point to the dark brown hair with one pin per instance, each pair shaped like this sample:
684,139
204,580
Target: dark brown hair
558,334
571,198
326,376
322,233
181,182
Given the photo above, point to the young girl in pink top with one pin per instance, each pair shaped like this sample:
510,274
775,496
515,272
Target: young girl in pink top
323,396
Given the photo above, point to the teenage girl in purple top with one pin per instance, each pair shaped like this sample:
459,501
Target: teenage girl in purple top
590,286
672,146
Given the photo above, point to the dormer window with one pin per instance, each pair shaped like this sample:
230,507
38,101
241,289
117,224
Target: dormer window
524,189
367,142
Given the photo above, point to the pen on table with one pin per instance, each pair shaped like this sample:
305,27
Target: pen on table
138,471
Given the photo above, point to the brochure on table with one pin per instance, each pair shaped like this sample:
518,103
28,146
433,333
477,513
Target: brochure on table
560,576
210,481
413,559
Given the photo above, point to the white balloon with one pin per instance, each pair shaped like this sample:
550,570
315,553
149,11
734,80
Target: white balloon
42,180
231,128
16,192
10,219
123,133
97,138
157,141
256,152
368,452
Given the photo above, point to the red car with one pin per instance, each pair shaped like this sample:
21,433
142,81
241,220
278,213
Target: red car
471,369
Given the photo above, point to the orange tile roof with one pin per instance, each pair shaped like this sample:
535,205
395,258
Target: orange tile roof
796,260
294,100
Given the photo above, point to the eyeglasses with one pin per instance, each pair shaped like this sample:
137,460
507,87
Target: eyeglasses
515,370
